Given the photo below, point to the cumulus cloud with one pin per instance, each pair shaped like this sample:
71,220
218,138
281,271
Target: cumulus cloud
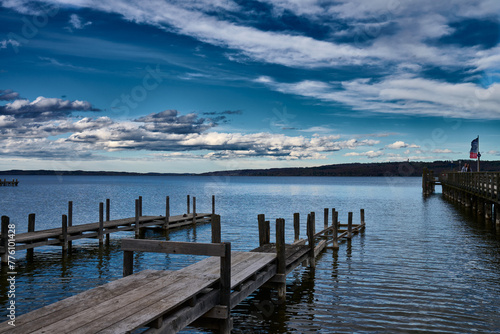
45,107
171,121
27,128
8,95
369,154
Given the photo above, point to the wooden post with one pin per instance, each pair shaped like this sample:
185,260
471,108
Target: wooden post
310,239
362,216
140,206
296,225
128,263
64,233
488,212
216,230
335,229
213,204
136,218
313,220
225,288
31,228
281,258
167,212
101,223
108,209
5,239
188,205
325,225
194,210
261,221
70,222
349,226
480,208
108,217
497,214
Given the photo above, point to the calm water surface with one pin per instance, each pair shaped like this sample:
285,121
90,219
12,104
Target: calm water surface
420,266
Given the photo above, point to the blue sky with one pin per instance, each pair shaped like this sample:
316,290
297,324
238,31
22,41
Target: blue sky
194,86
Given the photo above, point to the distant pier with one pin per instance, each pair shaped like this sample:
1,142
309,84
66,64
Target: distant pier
6,183
477,191
67,233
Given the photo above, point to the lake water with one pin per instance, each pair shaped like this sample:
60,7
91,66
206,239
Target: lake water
421,265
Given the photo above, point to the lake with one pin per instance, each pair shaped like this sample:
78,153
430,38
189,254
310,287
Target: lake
421,265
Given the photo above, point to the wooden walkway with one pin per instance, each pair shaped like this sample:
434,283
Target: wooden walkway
56,236
477,191
201,294
67,233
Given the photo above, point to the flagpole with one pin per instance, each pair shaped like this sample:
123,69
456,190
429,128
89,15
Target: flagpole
478,154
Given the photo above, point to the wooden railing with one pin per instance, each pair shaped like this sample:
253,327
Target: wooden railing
484,184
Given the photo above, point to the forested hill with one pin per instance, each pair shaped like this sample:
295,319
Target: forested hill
359,169
354,169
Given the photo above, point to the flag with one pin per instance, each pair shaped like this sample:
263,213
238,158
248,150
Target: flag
474,148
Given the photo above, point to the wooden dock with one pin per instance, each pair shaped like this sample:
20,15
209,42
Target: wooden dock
67,233
201,294
477,191
6,183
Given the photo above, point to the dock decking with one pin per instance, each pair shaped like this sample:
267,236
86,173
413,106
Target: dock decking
67,233
200,294
475,191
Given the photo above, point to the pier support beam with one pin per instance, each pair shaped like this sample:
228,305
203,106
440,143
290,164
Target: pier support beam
310,239
497,215
281,258
349,226
488,212
264,230
137,218
296,226
101,223
5,239
480,208
64,234
31,228
70,223
167,213
335,229
216,229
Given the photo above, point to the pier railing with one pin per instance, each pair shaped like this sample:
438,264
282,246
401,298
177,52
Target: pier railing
483,184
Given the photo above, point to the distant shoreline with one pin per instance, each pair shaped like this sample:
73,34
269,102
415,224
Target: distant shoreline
352,169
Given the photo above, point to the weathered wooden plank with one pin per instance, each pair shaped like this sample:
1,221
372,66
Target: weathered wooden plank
180,319
171,247
65,308
243,265
135,307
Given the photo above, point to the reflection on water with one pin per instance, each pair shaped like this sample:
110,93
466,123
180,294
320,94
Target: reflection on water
421,265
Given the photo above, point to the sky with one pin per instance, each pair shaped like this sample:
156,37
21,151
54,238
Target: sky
197,85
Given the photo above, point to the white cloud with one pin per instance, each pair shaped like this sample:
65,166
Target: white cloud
397,145
7,42
442,151
369,154
403,95
76,22
414,29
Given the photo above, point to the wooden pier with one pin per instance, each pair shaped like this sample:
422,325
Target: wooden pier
67,233
477,191
6,183
202,294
